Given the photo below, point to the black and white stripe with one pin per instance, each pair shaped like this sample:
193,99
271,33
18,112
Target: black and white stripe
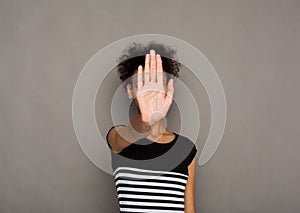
141,190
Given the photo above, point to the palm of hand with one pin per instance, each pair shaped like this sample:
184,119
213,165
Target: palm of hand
153,102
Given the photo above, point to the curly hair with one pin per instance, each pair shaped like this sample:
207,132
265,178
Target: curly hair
134,55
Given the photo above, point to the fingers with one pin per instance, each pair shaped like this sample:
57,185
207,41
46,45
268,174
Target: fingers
140,77
146,72
159,73
152,66
170,91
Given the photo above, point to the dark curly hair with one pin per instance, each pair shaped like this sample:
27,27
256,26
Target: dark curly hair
134,55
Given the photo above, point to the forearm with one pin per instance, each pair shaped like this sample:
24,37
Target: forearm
133,131
138,127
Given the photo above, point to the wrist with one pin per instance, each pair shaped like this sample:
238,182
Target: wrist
145,124
140,131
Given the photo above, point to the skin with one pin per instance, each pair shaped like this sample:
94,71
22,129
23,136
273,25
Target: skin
189,194
153,97
151,94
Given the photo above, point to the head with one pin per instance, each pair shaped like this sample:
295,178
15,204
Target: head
134,55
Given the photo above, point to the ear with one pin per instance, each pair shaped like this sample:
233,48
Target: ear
129,91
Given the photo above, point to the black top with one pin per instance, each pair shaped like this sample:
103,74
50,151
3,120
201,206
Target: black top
181,149
151,176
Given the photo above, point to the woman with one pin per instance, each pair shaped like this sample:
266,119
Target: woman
143,186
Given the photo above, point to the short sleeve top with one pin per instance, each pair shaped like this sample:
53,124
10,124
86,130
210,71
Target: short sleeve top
151,176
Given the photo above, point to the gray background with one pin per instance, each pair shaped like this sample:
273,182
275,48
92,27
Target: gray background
254,47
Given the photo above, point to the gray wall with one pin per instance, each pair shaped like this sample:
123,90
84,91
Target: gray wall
254,47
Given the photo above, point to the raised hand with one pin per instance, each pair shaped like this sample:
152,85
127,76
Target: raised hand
154,102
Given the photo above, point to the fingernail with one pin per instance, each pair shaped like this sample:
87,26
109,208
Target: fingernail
152,52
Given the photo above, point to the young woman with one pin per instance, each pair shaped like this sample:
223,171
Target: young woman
143,151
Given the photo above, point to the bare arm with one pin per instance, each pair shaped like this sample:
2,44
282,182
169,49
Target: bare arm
154,103
121,136
189,195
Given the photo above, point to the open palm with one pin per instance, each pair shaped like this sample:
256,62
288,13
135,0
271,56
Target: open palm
154,102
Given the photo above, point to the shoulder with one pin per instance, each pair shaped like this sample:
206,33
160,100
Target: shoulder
186,141
110,133
189,147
